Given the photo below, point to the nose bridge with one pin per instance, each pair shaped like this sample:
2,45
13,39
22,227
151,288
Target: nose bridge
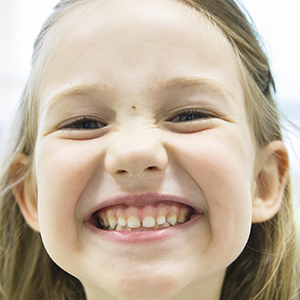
135,151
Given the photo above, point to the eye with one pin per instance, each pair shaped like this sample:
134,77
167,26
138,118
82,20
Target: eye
82,123
191,115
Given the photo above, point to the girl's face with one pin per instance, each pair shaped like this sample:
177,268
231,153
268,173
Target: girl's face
142,117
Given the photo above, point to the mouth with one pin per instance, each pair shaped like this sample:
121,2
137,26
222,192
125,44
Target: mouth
142,217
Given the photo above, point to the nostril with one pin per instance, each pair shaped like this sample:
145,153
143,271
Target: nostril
121,171
152,168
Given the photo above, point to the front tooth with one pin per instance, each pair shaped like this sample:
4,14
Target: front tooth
121,221
172,219
133,222
161,220
112,222
148,222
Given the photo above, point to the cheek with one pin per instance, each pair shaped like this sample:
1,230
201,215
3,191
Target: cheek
221,164
63,170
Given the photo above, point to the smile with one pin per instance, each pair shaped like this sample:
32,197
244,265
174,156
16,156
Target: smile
139,218
150,215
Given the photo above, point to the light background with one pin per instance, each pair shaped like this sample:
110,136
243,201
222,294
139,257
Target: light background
278,23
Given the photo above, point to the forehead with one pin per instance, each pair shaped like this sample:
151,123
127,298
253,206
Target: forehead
135,43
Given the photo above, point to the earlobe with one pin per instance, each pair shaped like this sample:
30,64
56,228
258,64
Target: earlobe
270,182
24,191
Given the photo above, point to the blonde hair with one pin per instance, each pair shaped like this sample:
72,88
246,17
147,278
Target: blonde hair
268,267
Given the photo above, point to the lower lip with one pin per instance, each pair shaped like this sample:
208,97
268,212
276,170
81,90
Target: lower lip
143,236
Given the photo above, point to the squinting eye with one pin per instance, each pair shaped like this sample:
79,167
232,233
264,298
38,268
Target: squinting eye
191,115
82,124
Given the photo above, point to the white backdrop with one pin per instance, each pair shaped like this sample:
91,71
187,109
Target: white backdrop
278,24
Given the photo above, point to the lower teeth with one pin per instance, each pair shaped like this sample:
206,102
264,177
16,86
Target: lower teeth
141,228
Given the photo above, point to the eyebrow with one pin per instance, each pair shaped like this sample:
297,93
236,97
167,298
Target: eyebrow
177,82
79,90
194,82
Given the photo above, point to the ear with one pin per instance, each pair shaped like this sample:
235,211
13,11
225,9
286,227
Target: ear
24,191
270,182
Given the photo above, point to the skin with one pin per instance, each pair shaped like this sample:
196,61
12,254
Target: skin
134,66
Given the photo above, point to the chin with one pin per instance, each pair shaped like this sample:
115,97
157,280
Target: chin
151,288
140,284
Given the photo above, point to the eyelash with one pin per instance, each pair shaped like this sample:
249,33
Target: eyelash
191,115
85,121
188,115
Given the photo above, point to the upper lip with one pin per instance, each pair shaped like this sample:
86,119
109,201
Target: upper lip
143,199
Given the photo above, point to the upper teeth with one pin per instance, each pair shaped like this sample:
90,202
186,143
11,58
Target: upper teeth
153,216
133,222
147,222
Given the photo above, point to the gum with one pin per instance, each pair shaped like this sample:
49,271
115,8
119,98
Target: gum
154,210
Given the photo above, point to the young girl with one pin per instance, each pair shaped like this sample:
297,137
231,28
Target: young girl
146,160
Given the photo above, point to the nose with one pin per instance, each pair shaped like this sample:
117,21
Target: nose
135,153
